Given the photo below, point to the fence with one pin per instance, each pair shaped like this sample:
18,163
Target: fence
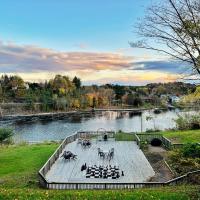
142,137
43,171
53,185
104,186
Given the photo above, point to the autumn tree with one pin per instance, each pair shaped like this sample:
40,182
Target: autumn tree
77,82
172,27
193,98
61,85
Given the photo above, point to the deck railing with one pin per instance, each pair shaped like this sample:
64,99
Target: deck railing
80,134
58,185
104,186
141,137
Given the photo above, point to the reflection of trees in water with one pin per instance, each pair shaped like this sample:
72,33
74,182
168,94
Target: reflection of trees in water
80,117
134,113
115,115
120,114
75,118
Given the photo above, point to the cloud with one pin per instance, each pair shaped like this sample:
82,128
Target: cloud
34,63
161,65
15,58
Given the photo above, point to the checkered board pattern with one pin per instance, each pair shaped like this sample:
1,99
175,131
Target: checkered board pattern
103,172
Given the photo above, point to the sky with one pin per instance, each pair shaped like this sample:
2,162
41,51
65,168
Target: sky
86,38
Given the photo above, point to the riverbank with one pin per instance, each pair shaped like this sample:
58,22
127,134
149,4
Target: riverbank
26,115
61,114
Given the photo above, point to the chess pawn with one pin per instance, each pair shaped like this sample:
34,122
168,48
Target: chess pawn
122,173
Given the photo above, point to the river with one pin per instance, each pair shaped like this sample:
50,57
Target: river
50,130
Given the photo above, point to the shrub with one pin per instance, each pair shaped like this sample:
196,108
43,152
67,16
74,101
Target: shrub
191,150
182,164
5,133
156,142
188,122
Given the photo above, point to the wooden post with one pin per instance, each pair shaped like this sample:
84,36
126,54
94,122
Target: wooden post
141,123
1,115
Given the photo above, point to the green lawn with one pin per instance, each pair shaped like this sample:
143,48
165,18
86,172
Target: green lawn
189,136
19,164
167,193
121,136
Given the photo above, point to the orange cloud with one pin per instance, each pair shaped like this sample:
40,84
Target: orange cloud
39,64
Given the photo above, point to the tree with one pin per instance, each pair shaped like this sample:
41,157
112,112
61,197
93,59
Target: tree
61,85
1,94
173,27
77,82
5,133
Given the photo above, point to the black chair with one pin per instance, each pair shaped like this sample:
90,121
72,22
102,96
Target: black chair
105,137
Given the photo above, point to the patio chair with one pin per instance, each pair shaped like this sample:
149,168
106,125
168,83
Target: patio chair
102,155
79,141
99,151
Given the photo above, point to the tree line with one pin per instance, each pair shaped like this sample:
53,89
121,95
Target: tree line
63,93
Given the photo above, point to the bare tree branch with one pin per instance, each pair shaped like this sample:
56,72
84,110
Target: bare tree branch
174,27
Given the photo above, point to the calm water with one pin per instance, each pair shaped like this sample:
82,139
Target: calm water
126,121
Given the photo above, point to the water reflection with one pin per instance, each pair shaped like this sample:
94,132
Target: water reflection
110,120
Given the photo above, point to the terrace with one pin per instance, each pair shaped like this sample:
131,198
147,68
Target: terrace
127,156
103,164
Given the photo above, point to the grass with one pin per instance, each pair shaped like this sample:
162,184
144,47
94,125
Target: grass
189,136
167,193
122,136
19,164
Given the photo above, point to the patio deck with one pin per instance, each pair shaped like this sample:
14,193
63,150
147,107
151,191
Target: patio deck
127,156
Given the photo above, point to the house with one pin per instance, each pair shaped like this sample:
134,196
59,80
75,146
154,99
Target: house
174,99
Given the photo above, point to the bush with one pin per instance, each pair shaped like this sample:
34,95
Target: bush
156,142
191,150
182,164
188,122
5,133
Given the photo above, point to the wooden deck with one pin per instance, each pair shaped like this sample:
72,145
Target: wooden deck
127,156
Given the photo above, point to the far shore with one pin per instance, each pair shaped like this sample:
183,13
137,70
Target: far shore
59,114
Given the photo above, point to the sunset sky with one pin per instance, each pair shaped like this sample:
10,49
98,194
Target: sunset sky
90,39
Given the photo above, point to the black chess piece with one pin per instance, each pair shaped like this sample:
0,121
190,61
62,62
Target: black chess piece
82,167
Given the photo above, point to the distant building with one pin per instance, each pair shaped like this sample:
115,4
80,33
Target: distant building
25,86
174,99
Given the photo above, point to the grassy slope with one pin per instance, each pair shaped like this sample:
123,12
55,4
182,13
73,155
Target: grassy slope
172,193
19,164
183,136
